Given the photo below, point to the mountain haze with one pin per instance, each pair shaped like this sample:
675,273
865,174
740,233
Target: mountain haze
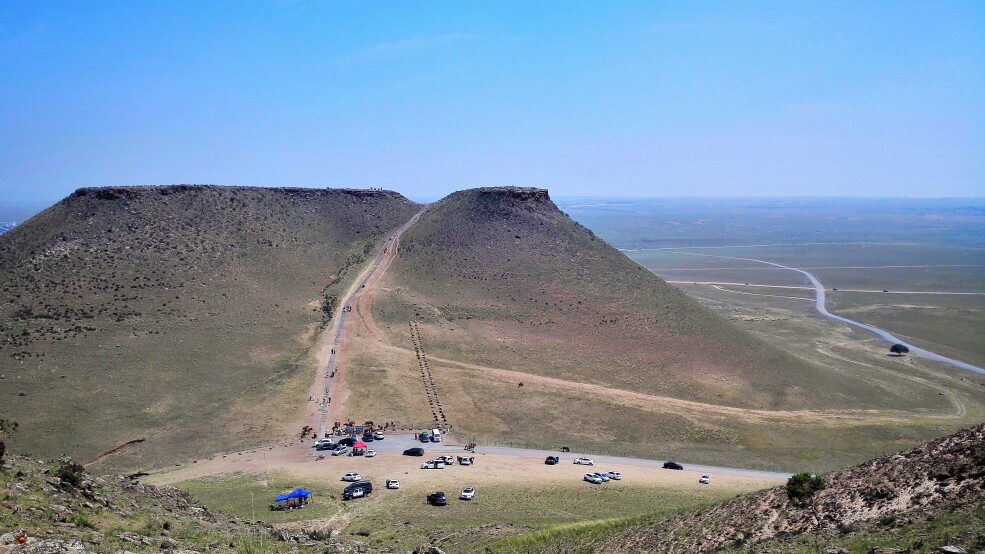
178,314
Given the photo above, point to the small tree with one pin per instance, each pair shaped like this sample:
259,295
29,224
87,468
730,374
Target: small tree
802,486
6,426
899,349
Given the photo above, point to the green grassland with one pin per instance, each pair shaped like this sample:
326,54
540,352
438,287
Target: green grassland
402,519
182,315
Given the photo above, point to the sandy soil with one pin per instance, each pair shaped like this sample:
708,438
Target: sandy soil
296,460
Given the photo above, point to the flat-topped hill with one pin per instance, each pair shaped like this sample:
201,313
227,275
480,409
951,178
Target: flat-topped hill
537,332
180,314
578,307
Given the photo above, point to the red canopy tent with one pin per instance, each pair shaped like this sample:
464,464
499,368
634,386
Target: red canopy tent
359,449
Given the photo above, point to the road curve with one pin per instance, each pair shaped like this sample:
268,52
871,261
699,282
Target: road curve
819,305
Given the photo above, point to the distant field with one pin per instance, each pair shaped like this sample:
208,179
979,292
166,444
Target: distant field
913,246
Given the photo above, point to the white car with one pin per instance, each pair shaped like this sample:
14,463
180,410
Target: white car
370,453
614,475
593,478
468,493
602,476
392,484
585,461
705,480
351,477
379,435
340,451
433,464
448,460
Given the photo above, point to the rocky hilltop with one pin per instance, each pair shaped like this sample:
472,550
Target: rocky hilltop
912,487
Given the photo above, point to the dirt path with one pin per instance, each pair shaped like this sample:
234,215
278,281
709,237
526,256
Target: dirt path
329,385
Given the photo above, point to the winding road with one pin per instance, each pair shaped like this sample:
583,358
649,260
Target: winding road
819,305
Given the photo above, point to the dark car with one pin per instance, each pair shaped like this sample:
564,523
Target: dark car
672,465
551,460
414,452
325,446
348,441
437,499
368,437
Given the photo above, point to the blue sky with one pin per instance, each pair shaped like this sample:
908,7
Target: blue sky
609,98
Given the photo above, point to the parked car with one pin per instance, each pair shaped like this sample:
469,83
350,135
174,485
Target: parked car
585,461
602,476
424,437
449,460
552,460
357,489
351,477
433,464
614,475
339,451
368,437
593,478
672,465
370,453
466,460
468,493
414,452
378,435
348,441
392,484
327,445
437,499
349,494
705,480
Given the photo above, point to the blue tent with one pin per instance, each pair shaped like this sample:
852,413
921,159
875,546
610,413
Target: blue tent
299,493
281,498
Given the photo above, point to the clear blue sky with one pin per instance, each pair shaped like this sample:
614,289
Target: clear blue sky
609,98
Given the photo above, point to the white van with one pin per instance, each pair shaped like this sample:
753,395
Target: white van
435,435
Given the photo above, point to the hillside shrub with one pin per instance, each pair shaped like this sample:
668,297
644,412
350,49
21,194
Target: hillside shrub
71,472
802,486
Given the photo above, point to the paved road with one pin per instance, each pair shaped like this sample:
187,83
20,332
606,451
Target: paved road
403,441
819,305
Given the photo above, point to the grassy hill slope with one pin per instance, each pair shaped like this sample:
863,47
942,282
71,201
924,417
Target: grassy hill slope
538,333
577,307
177,314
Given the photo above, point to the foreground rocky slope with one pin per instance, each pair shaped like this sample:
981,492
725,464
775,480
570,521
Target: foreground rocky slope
174,314
944,475
57,510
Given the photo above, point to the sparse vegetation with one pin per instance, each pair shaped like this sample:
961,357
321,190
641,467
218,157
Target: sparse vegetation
173,313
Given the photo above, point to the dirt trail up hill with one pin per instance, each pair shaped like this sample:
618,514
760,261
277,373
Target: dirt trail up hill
182,314
941,471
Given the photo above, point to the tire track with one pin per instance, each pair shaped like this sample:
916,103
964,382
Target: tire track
430,389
